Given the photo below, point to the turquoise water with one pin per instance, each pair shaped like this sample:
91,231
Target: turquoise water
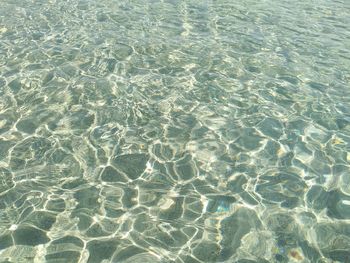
174,131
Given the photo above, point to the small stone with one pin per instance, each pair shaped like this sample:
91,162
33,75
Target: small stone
3,30
295,254
2,123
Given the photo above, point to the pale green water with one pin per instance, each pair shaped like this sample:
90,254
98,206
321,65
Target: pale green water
174,131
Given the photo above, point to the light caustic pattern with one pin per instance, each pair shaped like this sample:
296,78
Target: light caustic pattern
174,131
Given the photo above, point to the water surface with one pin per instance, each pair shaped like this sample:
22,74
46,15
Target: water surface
174,131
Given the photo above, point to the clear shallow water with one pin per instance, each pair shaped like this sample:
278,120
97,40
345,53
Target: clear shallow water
174,131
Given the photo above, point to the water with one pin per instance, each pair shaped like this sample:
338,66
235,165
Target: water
174,131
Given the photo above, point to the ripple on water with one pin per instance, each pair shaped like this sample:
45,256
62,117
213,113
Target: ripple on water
174,131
